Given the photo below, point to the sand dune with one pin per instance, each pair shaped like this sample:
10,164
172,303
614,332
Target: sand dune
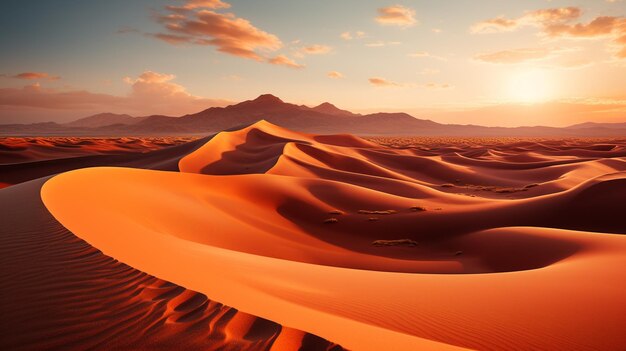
513,240
14,150
57,292
31,163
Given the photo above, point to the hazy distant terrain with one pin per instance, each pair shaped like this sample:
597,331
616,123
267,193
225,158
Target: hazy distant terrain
324,118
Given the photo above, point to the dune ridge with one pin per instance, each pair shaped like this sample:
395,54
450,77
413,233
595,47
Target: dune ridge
58,293
513,245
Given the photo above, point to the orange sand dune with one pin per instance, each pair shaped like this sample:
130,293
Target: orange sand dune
28,149
514,246
61,155
58,292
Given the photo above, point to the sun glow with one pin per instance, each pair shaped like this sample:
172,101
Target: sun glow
530,85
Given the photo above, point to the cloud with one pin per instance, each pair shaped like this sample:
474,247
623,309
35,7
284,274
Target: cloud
553,15
517,55
349,36
424,54
620,43
198,4
382,82
36,96
173,39
493,25
197,22
380,43
600,26
316,49
156,93
346,36
151,85
285,61
437,86
385,83
335,75
150,93
396,15
210,4
541,17
34,76
228,33
557,23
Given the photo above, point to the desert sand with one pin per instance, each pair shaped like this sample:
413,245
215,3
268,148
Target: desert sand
378,244
24,159
25,149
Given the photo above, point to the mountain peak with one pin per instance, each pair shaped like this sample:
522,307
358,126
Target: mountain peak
103,119
268,98
327,107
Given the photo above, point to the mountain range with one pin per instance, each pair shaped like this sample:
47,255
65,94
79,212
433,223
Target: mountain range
323,119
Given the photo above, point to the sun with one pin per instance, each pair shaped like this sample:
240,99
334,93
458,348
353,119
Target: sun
530,85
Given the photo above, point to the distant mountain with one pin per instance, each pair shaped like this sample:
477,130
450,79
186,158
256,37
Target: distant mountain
331,109
598,125
104,119
323,119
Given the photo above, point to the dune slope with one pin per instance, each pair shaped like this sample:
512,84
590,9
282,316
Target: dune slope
24,159
516,247
59,292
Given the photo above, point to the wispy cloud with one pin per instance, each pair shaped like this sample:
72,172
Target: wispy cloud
521,55
316,49
382,82
334,75
151,92
283,60
386,83
196,4
396,15
352,35
425,54
33,76
493,25
437,86
539,18
197,23
380,43
559,23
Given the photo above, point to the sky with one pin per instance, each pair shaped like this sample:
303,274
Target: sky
488,62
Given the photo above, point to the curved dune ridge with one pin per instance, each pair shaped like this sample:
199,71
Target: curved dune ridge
374,247
57,292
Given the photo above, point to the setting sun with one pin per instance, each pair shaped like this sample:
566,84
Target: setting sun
530,85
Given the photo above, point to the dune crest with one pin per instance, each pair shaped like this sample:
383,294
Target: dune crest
252,210
92,301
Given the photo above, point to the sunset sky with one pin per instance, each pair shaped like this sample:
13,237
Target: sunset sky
488,62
